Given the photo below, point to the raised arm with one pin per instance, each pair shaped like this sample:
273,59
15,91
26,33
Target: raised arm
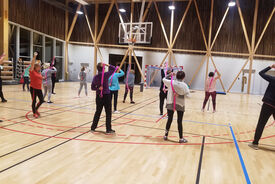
263,74
121,73
33,61
2,58
111,70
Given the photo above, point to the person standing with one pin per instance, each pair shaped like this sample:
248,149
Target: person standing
114,87
177,92
268,107
36,85
1,68
83,80
26,77
210,90
53,76
163,91
103,96
47,80
129,85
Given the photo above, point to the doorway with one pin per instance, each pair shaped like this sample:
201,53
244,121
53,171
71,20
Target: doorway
115,60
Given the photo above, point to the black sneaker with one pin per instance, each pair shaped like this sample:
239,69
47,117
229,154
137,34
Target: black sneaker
49,102
4,101
161,114
132,102
1,120
110,132
165,138
92,130
123,101
254,146
53,93
182,140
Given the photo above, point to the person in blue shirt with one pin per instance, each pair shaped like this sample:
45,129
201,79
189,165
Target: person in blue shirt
114,87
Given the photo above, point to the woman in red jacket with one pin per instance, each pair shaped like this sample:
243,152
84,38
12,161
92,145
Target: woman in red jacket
36,86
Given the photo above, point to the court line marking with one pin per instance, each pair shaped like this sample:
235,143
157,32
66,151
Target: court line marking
68,139
200,161
239,155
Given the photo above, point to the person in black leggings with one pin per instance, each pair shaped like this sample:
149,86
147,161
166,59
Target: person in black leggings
163,91
1,92
268,107
53,78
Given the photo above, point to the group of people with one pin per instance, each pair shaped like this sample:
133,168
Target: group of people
173,89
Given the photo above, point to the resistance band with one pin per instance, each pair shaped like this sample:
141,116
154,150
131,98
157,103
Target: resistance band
102,80
174,93
165,72
110,84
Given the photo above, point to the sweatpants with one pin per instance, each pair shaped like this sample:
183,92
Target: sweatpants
81,86
26,81
36,93
162,97
1,92
265,114
47,89
131,88
170,119
207,95
105,102
53,82
115,94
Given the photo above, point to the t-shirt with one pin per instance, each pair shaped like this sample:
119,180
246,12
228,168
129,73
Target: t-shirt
27,71
82,76
47,75
211,88
36,79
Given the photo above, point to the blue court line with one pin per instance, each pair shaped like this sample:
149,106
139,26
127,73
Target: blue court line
240,155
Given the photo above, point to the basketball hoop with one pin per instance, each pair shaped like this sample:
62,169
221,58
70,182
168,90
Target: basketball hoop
132,40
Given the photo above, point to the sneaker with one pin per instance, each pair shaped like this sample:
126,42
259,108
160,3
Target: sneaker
183,140
4,101
165,138
161,114
53,93
202,110
49,102
116,112
35,115
92,130
132,102
1,120
123,101
110,132
254,146
214,111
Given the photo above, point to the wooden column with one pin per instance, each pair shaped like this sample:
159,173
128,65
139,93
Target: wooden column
67,41
4,27
95,36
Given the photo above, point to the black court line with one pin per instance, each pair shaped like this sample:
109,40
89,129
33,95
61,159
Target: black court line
200,161
51,148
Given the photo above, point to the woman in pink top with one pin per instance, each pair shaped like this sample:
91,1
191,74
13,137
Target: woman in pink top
210,89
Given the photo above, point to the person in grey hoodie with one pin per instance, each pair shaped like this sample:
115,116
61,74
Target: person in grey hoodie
129,85
176,88
47,80
83,80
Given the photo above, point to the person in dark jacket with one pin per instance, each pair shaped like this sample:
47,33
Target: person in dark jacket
1,92
268,107
53,77
104,100
163,91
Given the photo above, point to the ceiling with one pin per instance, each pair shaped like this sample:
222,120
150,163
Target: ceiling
125,1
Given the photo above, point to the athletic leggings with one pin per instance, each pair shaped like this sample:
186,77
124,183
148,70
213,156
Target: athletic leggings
207,95
1,92
26,81
81,86
53,82
131,88
162,97
36,93
48,89
170,119
115,94
266,112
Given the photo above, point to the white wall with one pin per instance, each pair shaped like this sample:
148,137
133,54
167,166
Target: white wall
228,67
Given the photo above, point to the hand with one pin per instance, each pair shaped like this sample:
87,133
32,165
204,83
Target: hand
272,66
35,54
3,55
100,88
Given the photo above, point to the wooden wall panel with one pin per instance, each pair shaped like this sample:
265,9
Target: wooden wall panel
39,16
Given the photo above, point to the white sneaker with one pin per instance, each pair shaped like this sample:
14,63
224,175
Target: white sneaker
116,112
202,110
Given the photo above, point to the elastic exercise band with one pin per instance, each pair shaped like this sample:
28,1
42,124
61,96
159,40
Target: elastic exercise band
174,93
102,79
113,76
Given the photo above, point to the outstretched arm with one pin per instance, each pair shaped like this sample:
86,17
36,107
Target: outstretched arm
263,74
33,61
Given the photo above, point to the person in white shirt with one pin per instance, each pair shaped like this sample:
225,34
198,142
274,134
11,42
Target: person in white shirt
177,92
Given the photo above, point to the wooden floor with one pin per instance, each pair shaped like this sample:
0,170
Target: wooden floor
58,147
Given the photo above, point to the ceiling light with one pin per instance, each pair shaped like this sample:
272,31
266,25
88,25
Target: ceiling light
82,2
171,7
231,4
122,10
79,12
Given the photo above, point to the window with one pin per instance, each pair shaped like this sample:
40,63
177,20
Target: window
59,48
48,49
59,59
37,45
24,44
12,41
